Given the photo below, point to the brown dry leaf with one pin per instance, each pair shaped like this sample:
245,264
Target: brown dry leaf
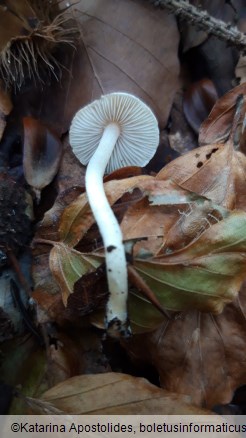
116,394
118,51
217,126
46,290
180,135
42,152
203,275
215,171
77,218
206,170
70,355
147,225
198,354
199,99
150,218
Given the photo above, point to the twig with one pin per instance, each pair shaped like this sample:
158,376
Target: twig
204,21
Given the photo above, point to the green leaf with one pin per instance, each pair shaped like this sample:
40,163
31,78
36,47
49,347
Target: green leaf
206,274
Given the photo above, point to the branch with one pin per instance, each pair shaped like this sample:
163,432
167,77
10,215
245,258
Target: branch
204,21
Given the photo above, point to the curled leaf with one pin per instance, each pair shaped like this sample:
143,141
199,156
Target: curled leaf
68,265
216,128
198,102
41,154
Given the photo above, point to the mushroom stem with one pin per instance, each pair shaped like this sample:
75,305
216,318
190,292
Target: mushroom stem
109,228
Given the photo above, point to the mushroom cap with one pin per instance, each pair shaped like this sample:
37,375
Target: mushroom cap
139,132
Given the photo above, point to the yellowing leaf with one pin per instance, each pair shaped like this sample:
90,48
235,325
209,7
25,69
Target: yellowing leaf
206,275
68,266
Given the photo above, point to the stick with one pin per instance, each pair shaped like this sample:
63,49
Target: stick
205,22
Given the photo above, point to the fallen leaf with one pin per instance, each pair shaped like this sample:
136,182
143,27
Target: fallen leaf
68,266
77,218
216,171
149,219
115,394
42,152
47,293
206,170
217,127
180,135
199,99
207,274
198,354
126,58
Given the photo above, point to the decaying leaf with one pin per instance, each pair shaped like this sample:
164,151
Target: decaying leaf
207,274
199,354
115,394
77,218
68,265
217,126
215,171
187,244
116,50
127,57
198,102
41,154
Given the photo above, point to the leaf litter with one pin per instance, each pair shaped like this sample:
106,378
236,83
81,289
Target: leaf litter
183,229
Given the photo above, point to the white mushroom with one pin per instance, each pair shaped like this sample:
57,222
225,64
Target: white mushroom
115,131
